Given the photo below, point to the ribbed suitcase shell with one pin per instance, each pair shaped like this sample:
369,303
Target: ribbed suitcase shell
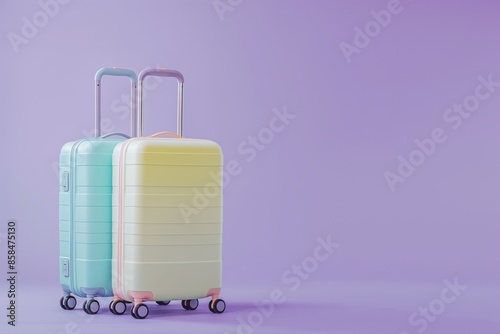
85,217
159,253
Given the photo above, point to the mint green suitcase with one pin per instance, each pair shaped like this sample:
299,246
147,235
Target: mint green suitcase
85,208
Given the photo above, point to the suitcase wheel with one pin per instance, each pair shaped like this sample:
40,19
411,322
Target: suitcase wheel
68,302
91,306
166,302
140,311
190,304
218,306
117,307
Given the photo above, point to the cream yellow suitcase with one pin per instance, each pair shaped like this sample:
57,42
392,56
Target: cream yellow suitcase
167,217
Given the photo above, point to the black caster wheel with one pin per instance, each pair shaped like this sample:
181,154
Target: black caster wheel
69,302
140,311
61,303
164,303
192,304
117,307
91,306
210,306
218,306
84,307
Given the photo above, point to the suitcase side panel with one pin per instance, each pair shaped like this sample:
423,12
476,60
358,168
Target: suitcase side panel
116,281
64,218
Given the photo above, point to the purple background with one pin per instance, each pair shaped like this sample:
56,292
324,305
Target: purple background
322,175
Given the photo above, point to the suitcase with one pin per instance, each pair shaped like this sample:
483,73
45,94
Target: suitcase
85,209
166,245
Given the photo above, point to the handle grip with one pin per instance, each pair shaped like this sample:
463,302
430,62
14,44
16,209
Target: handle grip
162,72
115,134
116,72
120,72
165,133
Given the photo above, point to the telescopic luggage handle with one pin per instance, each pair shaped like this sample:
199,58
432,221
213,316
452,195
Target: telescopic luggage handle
119,72
162,72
